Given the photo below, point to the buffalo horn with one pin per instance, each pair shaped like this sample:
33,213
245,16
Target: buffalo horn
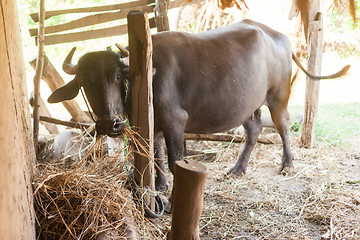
67,66
122,50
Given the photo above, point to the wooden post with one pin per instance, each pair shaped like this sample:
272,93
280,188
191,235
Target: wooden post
315,45
17,158
55,81
187,202
141,100
39,70
161,18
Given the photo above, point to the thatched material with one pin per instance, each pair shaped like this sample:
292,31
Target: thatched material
352,9
351,4
303,6
223,4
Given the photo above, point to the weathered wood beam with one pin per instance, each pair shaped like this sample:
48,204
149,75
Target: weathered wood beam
188,136
43,111
161,18
112,7
55,81
93,34
64,123
141,100
312,90
224,138
90,20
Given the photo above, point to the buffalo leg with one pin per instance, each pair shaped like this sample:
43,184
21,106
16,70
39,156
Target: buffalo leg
175,147
173,130
252,128
160,180
281,118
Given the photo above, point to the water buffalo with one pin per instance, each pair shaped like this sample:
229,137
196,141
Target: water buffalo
204,83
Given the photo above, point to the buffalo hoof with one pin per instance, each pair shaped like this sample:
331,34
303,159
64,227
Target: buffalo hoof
286,170
161,185
168,206
234,173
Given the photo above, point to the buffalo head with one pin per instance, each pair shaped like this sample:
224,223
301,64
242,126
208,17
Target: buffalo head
103,76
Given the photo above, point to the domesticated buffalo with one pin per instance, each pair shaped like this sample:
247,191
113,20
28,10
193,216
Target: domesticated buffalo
205,82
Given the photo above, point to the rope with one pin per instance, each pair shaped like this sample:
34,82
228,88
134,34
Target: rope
87,104
159,205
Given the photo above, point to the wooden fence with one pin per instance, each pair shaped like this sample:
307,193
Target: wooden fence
104,14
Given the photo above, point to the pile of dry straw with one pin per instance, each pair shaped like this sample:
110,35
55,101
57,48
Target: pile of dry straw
90,199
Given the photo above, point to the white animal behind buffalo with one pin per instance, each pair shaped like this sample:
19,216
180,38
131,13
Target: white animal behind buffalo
72,146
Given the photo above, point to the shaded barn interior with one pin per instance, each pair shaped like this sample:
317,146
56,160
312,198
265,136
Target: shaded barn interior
75,182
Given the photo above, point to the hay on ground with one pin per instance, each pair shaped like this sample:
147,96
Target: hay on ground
89,200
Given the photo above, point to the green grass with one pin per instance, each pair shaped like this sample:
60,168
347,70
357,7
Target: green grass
336,124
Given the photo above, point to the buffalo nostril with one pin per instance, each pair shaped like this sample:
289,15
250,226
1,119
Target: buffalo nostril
118,125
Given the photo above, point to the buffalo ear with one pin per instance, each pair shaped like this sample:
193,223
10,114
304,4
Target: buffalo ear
67,92
126,72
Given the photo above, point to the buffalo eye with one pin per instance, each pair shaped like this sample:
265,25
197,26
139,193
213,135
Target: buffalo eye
118,77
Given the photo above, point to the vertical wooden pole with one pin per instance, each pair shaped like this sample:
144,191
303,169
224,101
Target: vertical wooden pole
161,18
187,201
141,99
315,45
17,218
39,69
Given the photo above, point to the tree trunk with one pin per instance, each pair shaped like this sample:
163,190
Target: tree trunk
16,148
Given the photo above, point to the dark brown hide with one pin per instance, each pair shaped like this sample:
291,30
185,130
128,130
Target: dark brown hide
216,80
204,83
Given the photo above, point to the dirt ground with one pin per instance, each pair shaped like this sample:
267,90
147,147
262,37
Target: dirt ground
319,200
